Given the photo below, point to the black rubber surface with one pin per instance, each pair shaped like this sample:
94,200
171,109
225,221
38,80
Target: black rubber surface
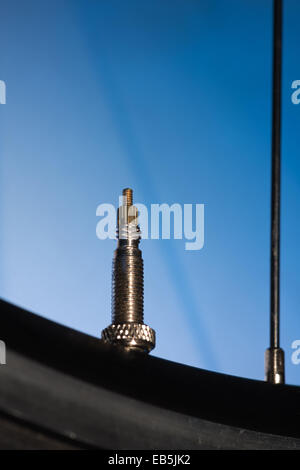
71,386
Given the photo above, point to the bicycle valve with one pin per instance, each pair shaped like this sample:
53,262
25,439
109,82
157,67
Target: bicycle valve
127,328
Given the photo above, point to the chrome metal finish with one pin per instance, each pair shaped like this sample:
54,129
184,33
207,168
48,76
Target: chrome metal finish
130,336
274,365
128,329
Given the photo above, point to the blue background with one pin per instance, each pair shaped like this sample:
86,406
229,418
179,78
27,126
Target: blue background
172,98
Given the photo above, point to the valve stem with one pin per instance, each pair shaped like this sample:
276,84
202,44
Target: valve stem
127,328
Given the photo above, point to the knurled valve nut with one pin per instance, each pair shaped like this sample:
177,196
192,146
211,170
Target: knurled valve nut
132,335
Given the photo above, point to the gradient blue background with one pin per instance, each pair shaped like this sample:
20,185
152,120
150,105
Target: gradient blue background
172,98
